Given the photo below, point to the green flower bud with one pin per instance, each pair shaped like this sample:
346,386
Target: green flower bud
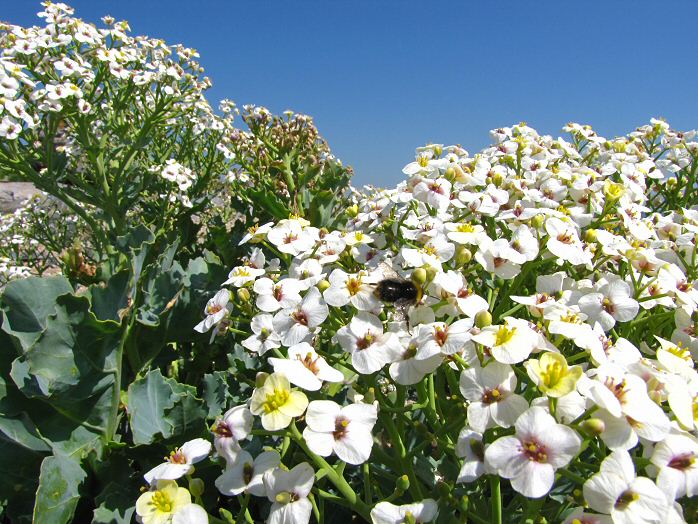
352,211
323,285
450,174
590,235
538,221
463,503
419,276
497,179
260,379
431,272
463,256
402,484
483,319
593,426
370,396
410,518
196,487
243,294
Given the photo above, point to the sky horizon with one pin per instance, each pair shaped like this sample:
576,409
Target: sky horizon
381,79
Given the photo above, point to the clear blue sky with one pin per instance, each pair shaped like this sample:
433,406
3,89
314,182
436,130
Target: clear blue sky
383,77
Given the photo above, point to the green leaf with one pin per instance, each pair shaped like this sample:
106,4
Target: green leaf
216,393
270,202
115,504
109,301
27,303
161,407
57,496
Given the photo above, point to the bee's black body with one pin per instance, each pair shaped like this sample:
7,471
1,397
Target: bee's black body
397,290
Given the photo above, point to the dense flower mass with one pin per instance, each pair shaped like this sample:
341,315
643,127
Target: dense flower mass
508,336
541,265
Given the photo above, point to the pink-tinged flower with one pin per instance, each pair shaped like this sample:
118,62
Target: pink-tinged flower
272,296
435,252
294,324
180,462
370,348
235,426
436,192
345,431
529,459
616,491
579,516
675,457
491,397
292,238
246,475
408,370
499,258
564,243
288,490
217,310
388,513
612,303
305,368
439,338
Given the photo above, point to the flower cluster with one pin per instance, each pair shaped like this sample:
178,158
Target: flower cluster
541,330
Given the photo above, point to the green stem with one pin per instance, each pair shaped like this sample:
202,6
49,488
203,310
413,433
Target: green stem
339,482
496,500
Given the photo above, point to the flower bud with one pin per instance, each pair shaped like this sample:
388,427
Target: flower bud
323,285
672,183
352,211
463,256
196,487
431,272
450,174
419,276
593,426
260,379
590,235
463,503
243,294
483,319
402,484
538,221
410,518
497,179
370,396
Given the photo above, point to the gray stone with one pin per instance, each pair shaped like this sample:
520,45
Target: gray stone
12,194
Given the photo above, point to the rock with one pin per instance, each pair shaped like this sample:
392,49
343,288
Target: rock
12,194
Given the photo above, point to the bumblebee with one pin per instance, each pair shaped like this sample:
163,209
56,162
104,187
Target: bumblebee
399,291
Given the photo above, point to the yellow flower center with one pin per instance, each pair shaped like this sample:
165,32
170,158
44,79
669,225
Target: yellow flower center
276,399
553,373
353,285
465,228
681,352
504,335
161,502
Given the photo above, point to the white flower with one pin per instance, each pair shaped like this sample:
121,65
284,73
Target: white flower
436,193
675,457
612,303
273,296
500,258
290,237
305,368
346,431
265,337
408,369
370,348
439,338
564,243
190,514
388,513
241,275
531,457
180,462
491,397
509,343
434,253
472,450
216,311
288,490
294,324
357,290
246,475
615,491
235,426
